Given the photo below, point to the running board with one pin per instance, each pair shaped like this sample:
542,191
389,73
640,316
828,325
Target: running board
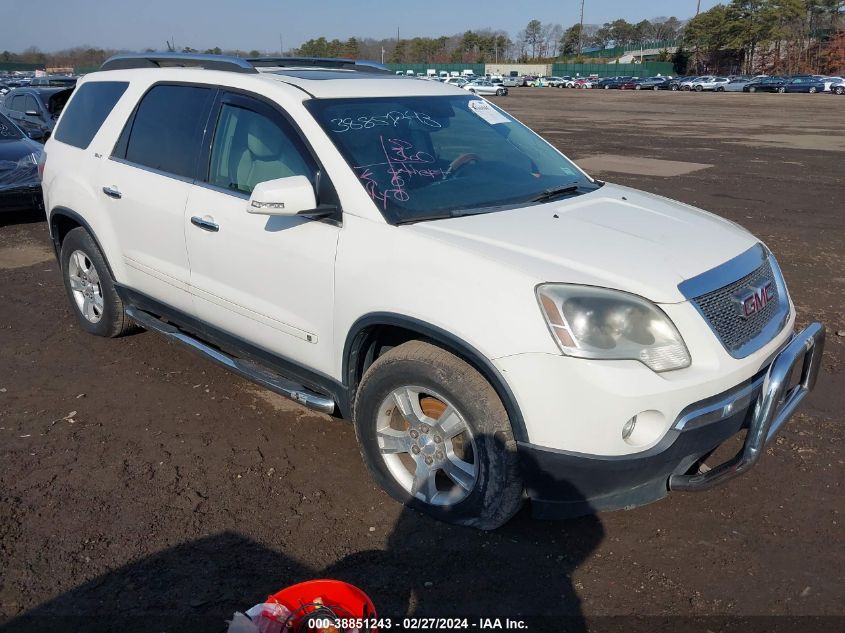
245,368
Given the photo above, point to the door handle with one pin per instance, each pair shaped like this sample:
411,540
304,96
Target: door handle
112,192
205,225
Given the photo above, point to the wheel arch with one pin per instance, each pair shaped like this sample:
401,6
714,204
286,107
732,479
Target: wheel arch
380,331
61,221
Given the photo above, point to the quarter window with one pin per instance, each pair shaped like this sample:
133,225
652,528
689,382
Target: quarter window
167,129
18,103
87,110
250,148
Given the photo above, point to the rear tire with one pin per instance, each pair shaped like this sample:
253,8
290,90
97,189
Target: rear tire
813,90
90,286
436,437
782,90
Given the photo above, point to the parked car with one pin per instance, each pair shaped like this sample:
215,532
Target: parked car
687,84
484,87
631,84
802,84
711,84
830,82
511,82
838,89
764,84
654,83
528,80
584,82
412,257
612,83
35,110
736,85
20,187
675,84
460,82
54,81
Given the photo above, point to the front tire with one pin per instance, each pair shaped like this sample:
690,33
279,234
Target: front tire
90,286
500,92
436,437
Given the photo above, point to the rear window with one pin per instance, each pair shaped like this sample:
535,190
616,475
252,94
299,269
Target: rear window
167,128
90,106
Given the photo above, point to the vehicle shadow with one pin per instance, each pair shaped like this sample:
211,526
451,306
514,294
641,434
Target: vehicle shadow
30,216
427,569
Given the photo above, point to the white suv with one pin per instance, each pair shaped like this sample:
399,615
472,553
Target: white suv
410,256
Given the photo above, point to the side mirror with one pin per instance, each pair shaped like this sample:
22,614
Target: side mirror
35,135
283,196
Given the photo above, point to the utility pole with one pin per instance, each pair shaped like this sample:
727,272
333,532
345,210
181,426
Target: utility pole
698,8
281,46
581,30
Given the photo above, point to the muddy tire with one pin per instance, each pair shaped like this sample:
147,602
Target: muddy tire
90,286
436,437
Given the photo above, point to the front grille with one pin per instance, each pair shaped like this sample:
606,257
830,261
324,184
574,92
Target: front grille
720,309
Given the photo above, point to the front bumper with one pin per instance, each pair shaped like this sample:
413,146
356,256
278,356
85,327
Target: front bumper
563,484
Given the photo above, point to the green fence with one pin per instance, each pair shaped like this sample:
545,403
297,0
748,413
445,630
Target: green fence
618,51
420,69
648,69
20,66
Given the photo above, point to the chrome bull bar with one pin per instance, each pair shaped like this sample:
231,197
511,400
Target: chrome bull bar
776,404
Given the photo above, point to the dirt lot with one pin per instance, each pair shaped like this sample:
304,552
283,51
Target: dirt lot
144,485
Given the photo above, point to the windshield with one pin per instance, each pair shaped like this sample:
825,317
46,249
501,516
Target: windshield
8,131
423,158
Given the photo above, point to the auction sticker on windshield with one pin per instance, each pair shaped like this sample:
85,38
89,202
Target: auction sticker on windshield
487,112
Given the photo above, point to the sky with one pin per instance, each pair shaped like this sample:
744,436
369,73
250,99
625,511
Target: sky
258,24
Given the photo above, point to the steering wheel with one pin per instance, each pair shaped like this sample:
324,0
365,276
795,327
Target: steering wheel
460,162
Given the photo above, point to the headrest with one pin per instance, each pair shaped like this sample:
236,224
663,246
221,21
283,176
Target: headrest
264,139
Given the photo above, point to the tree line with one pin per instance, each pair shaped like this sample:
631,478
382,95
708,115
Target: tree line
783,36
779,36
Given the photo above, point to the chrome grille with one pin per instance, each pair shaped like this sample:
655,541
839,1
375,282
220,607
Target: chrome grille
720,309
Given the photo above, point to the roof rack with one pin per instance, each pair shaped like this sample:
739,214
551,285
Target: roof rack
235,64
333,63
178,60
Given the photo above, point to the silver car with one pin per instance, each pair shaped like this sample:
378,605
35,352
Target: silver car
484,87
736,85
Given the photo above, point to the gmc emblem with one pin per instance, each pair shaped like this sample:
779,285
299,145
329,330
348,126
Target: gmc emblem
750,301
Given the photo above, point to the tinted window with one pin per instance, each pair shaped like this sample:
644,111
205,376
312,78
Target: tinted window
250,148
166,131
86,112
31,105
18,103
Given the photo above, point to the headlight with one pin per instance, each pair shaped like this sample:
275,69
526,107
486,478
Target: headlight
590,322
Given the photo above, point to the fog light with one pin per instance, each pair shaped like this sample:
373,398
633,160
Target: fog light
629,428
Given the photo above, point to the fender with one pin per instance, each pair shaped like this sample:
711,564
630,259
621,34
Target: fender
357,337
73,215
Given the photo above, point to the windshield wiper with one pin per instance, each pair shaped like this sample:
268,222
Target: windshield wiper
554,192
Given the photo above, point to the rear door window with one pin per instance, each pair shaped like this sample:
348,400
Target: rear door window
166,131
90,106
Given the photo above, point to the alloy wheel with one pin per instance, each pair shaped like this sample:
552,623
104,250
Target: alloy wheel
85,286
427,446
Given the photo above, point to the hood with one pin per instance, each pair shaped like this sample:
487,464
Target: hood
13,173
614,237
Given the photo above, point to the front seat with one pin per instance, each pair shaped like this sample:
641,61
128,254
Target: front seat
268,155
